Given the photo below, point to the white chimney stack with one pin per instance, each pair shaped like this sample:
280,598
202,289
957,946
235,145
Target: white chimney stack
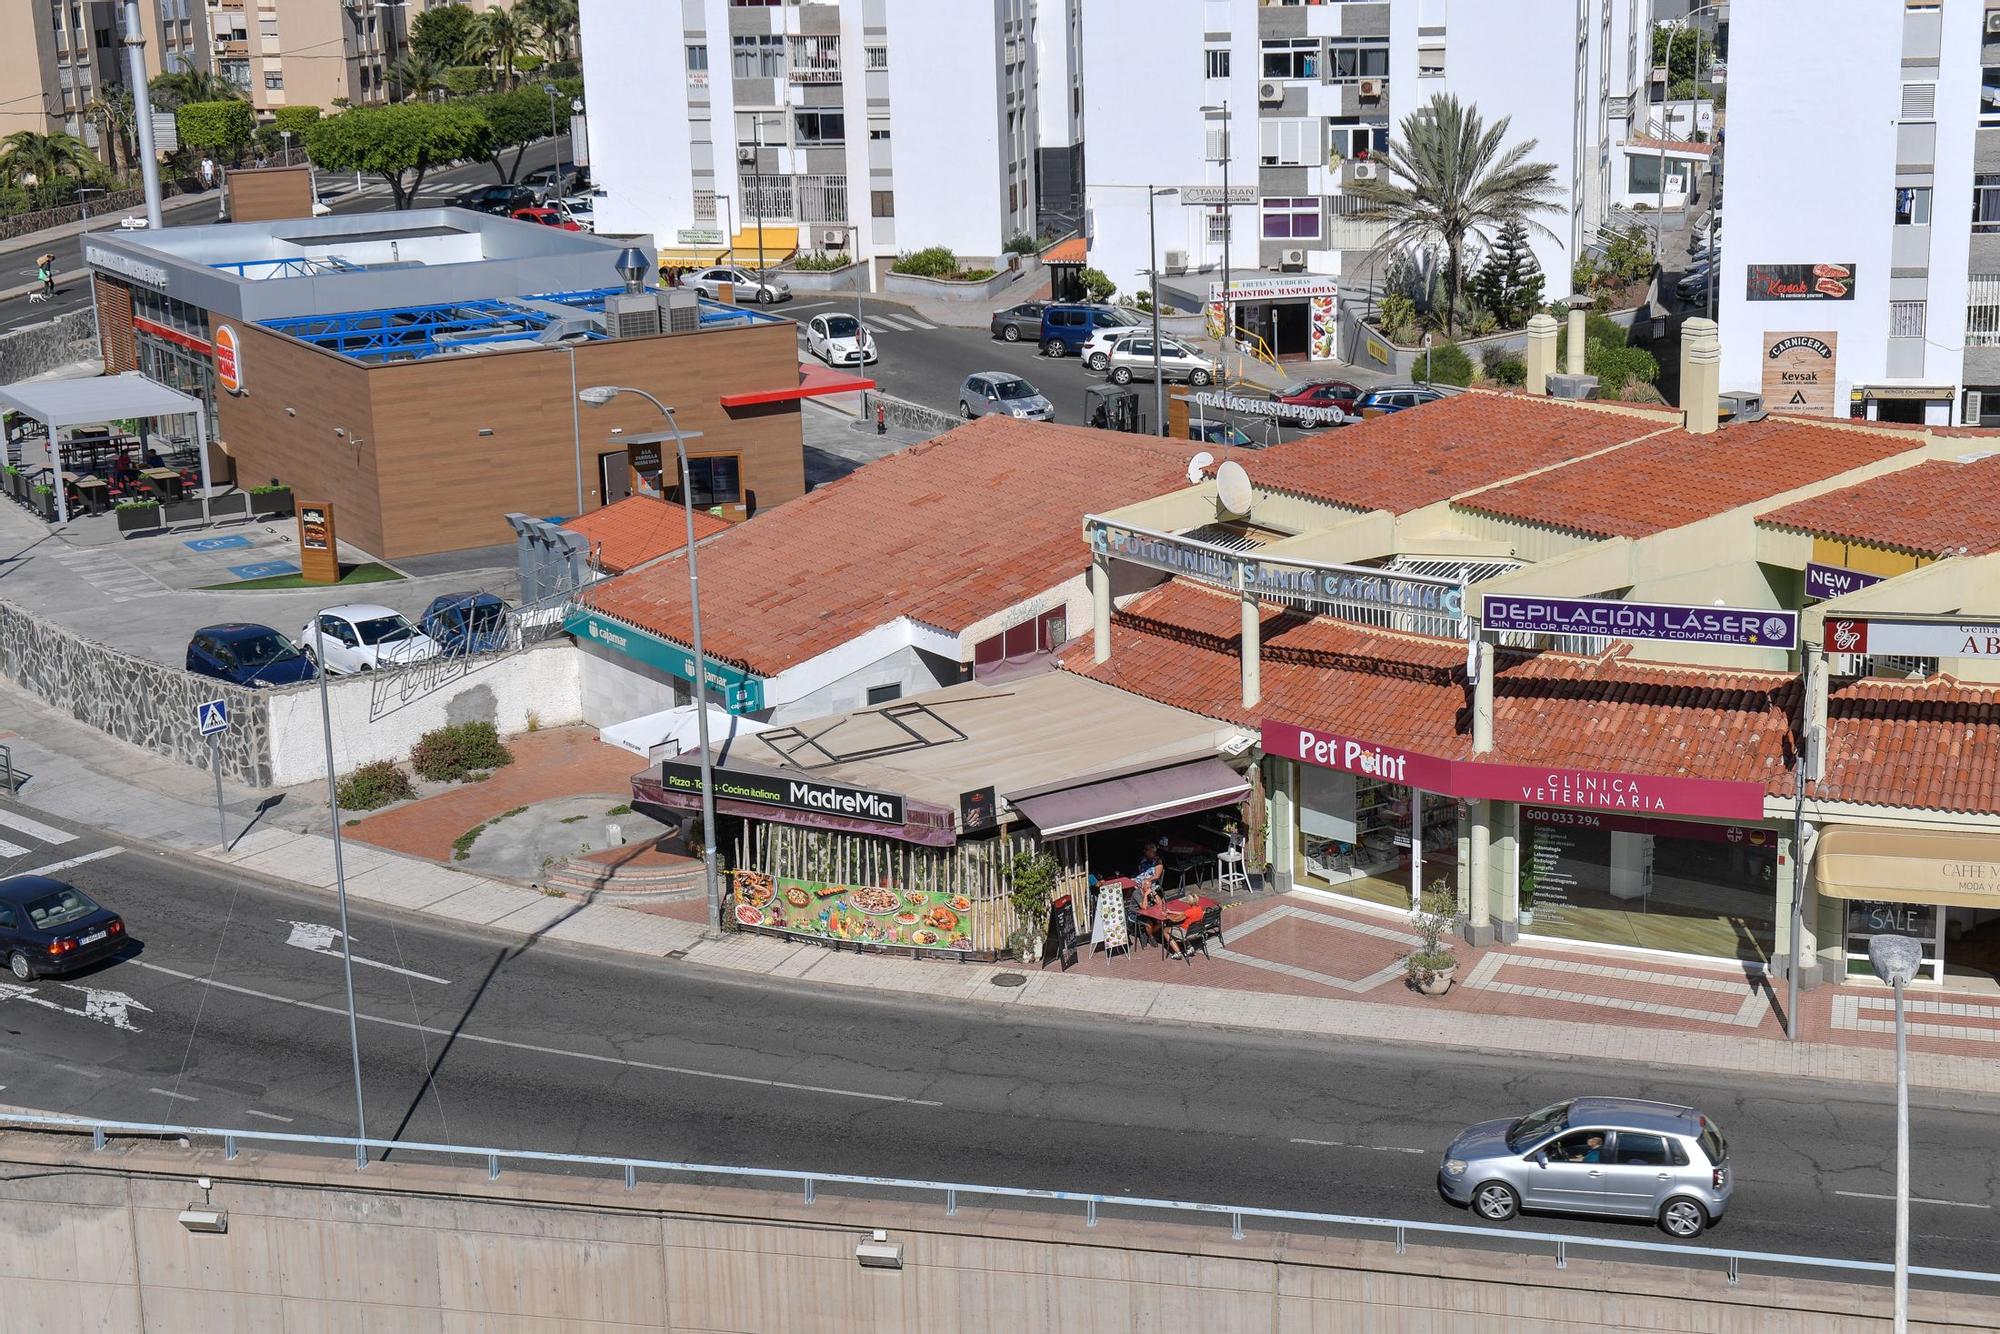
1701,376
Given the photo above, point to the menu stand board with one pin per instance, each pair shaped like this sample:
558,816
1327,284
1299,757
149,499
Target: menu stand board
1061,942
319,548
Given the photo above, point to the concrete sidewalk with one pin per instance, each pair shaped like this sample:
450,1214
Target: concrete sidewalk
81,775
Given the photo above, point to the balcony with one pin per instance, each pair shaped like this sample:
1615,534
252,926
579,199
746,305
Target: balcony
814,59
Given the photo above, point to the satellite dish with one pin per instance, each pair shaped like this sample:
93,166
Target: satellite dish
1197,464
1232,489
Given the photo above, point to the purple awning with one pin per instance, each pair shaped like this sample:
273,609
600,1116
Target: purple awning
1158,794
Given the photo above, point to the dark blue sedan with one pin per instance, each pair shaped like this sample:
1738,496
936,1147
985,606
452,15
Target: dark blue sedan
247,655
50,928
467,622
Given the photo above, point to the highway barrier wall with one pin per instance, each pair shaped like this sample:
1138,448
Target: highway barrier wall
94,1240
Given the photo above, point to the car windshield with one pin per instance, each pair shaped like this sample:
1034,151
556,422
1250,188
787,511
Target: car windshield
843,326
1535,1127
1116,318
1295,388
385,630
262,650
1712,1142
1014,389
60,909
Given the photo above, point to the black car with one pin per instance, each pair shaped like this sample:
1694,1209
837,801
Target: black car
501,200
247,655
48,928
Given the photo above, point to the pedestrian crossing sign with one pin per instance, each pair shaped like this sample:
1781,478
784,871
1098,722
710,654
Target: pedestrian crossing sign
212,716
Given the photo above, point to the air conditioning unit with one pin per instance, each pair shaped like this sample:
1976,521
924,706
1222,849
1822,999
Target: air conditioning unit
1740,405
1177,261
1366,171
745,154
1975,399
832,238
1372,88
1270,92
1993,22
1295,259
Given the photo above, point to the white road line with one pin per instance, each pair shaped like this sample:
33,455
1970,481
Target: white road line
435,1031
248,1111
35,828
1914,1199
314,938
68,862
1373,1148
11,849
166,1093
895,322
79,1070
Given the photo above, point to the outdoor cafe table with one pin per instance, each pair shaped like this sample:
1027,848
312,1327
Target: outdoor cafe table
1157,915
166,483
95,492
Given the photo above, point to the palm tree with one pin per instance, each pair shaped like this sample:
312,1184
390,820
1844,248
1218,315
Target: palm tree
1450,178
113,112
554,22
46,157
416,75
192,85
505,39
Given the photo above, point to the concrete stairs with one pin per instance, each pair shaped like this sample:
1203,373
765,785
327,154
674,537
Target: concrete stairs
644,879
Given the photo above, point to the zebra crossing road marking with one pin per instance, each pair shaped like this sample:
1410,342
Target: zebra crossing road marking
112,575
11,850
68,862
35,829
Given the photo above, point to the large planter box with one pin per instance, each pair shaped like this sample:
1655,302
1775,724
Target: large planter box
181,511
139,519
1407,363
229,505
43,503
15,483
849,279
939,289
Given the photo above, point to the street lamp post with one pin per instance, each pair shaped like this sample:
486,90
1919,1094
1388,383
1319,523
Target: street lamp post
597,396
555,135
83,194
1896,960
340,888
286,136
1153,277
1228,229
757,191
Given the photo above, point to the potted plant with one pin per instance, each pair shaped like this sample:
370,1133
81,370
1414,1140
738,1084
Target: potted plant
43,502
138,516
13,480
1031,885
271,501
1432,963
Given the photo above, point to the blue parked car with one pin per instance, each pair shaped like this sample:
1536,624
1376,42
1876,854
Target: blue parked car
1065,329
467,623
49,928
1394,398
247,655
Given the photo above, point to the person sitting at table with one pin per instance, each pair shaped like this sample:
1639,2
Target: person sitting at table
123,472
153,459
1152,869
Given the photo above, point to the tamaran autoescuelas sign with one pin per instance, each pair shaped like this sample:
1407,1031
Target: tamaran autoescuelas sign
783,790
1666,621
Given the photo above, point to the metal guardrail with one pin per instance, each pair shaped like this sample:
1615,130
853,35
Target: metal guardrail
808,1182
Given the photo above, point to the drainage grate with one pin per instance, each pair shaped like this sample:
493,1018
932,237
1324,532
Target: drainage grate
1010,980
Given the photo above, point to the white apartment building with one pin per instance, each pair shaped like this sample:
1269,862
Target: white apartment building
1059,175
907,123
1313,93
1862,186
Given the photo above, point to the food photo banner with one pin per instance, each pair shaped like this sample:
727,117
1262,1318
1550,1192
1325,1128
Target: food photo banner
1669,622
1799,282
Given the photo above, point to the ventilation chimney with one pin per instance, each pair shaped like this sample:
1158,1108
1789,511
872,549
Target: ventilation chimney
1701,376
1579,306
1541,352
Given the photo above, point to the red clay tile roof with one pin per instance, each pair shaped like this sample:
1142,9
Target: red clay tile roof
1420,456
1687,146
1069,250
945,533
632,531
1675,478
1934,507
1933,745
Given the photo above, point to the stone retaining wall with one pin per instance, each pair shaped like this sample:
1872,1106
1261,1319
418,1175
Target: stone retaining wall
40,348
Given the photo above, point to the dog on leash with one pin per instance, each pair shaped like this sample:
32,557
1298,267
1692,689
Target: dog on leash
35,298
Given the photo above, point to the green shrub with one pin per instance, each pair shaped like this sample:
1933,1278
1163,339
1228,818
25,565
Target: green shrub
931,262
1021,245
448,754
372,786
1504,367
1097,285
976,275
1399,318
1608,355
821,263
1449,364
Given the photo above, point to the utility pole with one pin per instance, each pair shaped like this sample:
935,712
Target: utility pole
142,110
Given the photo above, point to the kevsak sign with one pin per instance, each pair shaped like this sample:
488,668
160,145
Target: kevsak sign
1540,785
1799,372
1799,282
1669,622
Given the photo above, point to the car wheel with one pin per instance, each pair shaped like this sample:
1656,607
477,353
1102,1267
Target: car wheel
965,409
18,965
366,667
1496,1202
1198,378
1009,334
1123,375
1683,1219
1096,361
765,296
1052,348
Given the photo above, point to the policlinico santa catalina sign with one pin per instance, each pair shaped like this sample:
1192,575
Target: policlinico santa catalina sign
1668,621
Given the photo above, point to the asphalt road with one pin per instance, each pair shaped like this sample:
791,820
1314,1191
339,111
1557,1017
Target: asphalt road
232,1018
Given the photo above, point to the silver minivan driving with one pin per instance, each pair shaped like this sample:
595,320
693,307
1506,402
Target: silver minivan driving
1624,1157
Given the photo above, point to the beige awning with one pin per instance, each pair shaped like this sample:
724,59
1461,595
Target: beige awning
1905,391
1909,866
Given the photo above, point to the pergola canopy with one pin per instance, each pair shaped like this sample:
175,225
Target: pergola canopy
102,398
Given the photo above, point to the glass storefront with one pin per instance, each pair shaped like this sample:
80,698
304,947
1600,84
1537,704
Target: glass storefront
1667,885
1961,945
1355,835
181,368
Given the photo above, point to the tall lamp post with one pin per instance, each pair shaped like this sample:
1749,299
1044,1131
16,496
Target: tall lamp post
1228,229
83,194
1153,278
340,887
555,135
597,396
1896,960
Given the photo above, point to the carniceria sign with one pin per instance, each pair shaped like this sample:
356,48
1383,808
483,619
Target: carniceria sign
1261,407
1308,580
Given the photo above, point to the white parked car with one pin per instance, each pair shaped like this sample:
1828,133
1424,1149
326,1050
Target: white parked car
1132,358
742,283
1096,349
840,340
362,636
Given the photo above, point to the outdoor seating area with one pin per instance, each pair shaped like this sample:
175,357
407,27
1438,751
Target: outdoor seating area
83,446
1168,900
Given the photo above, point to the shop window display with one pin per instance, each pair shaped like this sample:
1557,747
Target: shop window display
1354,834
1656,884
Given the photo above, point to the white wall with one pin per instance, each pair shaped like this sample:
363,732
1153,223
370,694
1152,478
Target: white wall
372,720
635,85
946,98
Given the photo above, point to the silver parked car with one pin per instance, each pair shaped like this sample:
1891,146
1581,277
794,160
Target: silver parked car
1002,394
1133,357
742,283
1624,1157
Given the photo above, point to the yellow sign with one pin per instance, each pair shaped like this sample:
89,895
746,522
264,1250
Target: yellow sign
1380,352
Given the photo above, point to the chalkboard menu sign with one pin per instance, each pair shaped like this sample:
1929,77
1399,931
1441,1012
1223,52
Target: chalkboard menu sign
976,810
1061,942
1892,919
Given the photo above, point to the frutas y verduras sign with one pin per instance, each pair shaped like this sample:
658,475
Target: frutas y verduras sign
1669,622
1914,639
1539,785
